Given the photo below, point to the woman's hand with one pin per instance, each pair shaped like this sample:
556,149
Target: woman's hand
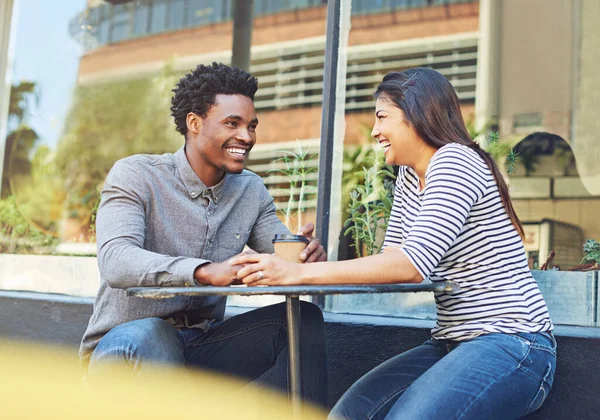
267,270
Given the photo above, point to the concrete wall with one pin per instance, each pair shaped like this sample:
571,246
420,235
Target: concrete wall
587,93
536,52
548,66
579,212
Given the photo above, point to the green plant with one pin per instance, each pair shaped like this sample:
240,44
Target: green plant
591,252
295,167
108,122
589,262
21,138
40,195
565,159
369,208
354,160
501,150
17,235
367,188
92,231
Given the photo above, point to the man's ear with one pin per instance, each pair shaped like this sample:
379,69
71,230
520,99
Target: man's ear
194,123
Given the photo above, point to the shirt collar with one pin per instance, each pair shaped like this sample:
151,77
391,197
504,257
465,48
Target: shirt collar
192,183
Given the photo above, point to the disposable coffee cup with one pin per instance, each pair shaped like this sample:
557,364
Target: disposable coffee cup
289,246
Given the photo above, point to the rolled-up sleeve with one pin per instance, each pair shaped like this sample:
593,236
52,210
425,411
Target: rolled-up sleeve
121,228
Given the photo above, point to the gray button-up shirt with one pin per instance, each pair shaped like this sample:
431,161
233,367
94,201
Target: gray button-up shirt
156,223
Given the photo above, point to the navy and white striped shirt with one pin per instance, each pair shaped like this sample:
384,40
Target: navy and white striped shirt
457,229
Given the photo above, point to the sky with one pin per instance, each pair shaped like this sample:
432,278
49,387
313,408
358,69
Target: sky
43,52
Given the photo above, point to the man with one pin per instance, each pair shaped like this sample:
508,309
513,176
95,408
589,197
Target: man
176,220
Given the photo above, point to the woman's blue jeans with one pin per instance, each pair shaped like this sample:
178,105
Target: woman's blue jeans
252,345
493,376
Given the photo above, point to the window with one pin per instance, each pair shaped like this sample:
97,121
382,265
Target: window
177,14
203,12
158,19
140,20
541,96
544,115
121,23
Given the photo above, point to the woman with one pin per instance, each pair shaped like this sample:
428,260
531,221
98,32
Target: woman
492,353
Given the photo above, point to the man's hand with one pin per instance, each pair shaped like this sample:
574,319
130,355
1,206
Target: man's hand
314,250
220,274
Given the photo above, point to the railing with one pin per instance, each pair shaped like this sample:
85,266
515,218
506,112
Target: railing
294,76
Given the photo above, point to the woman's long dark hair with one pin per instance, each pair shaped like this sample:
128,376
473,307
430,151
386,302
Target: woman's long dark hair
431,107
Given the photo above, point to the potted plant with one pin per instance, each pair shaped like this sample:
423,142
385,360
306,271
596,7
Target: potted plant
295,167
369,207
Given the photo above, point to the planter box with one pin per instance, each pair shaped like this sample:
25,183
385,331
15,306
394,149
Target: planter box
572,299
571,296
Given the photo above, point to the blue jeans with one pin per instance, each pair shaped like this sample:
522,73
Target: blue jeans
493,376
252,345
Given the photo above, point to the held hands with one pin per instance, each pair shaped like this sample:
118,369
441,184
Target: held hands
314,250
220,274
266,269
245,267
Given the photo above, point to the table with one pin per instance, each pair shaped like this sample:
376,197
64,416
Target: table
292,294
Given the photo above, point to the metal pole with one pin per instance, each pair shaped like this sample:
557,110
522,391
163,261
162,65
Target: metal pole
6,12
293,323
242,33
332,45
332,129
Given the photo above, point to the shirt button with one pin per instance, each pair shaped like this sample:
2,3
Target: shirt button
194,194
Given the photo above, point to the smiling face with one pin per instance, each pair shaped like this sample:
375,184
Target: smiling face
220,142
394,133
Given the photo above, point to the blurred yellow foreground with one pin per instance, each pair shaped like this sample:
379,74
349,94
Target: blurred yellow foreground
41,383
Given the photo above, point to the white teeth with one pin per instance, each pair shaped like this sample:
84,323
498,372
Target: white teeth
236,151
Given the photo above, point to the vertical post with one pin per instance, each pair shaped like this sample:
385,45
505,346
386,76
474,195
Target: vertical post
242,33
293,323
6,12
577,29
487,90
332,128
596,299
